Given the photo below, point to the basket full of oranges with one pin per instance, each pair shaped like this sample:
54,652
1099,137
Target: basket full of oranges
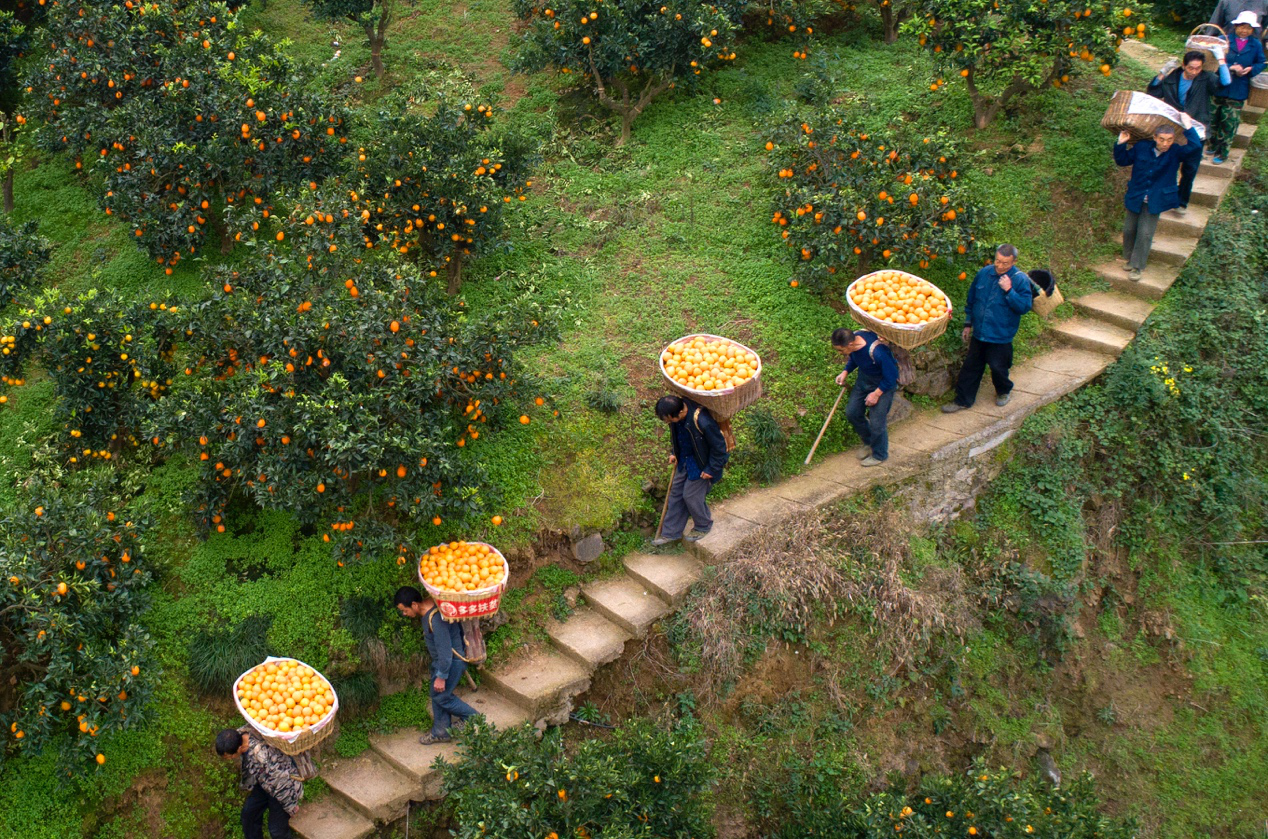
290,704
466,579
902,308
721,374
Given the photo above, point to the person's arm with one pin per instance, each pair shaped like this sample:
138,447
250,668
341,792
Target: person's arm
1124,156
1259,60
1019,298
889,369
968,303
444,650
718,455
1193,149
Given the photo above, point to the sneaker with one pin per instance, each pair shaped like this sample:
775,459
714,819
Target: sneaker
456,726
1003,398
662,540
865,454
1182,211
953,408
1217,160
430,739
695,535
1134,275
870,461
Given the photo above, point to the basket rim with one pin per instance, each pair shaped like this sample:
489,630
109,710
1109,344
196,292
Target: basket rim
660,362
908,327
1194,30
288,736
474,595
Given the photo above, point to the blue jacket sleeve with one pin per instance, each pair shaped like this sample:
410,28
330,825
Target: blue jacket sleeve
1193,149
1123,156
1260,60
1225,77
968,302
1020,298
850,366
443,645
889,368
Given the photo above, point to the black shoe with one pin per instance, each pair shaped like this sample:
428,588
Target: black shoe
953,408
430,739
695,535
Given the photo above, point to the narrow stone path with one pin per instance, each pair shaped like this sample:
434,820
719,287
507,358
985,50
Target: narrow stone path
375,788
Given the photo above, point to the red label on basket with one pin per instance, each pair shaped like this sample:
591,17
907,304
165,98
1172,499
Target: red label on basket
487,606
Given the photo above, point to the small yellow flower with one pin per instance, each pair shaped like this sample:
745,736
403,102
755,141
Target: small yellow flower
1186,476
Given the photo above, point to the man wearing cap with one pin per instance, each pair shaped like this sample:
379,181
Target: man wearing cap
1245,61
1189,88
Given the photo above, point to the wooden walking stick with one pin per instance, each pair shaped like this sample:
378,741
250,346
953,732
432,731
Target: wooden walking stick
664,508
825,426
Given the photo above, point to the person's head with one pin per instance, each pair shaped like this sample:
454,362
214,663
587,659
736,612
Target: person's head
411,602
1193,63
1245,24
230,743
1164,136
846,341
671,408
1005,258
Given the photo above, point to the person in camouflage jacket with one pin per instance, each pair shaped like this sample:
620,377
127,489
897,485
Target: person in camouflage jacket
270,777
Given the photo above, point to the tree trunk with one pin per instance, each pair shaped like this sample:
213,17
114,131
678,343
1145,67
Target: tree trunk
377,33
627,120
376,55
454,273
8,191
890,22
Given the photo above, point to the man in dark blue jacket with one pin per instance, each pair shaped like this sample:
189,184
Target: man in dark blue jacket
999,296
873,391
1152,189
699,450
1188,87
446,646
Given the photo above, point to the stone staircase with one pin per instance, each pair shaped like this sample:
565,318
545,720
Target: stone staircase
375,788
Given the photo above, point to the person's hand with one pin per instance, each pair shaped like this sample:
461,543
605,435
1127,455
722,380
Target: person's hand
1006,283
672,460
1219,52
966,334
438,685
841,379
1124,136
1167,68
873,398
1237,68
706,476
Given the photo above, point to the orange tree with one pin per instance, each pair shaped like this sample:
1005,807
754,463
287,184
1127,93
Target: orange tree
373,16
849,198
23,252
71,647
791,17
435,183
893,14
644,780
1005,49
335,383
629,51
176,113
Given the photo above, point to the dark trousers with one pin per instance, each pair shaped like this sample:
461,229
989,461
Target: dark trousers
998,357
686,498
1188,171
253,816
1138,236
870,423
445,706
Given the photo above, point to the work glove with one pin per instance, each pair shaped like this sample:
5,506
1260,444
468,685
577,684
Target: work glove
1219,52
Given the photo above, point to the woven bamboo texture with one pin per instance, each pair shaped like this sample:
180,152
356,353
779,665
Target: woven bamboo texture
292,742
474,596
1203,41
905,335
1140,126
722,404
1046,304
1258,91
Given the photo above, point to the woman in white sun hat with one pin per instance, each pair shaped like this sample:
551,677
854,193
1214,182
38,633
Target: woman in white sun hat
1245,60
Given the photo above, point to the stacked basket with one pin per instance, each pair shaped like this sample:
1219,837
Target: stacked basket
295,741
905,335
474,603
1259,91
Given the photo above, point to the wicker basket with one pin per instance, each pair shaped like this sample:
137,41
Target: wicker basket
464,605
1049,296
905,335
292,742
1258,91
722,404
1140,115
1203,42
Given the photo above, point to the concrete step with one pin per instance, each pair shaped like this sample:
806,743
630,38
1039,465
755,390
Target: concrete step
627,603
589,638
1191,224
330,819
539,682
669,576
1207,191
1114,307
1171,250
497,709
1094,335
1154,281
402,750
373,787
1244,133
1252,115
1227,169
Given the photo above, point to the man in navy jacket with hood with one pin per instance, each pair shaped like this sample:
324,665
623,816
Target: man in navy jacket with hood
999,296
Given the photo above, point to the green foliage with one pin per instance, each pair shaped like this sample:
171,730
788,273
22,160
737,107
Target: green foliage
217,657
362,616
73,588
23,254
643,781
634,51
851,198
437,176
765,444
358,691
605,397
373,16
176,113
1006,49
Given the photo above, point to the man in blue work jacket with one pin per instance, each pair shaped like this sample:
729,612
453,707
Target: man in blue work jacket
873,391
447,648
999,296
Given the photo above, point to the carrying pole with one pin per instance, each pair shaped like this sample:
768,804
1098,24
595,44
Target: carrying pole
664,508
825,426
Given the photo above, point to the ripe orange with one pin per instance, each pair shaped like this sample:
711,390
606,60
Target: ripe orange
524,420
497,521
708,364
